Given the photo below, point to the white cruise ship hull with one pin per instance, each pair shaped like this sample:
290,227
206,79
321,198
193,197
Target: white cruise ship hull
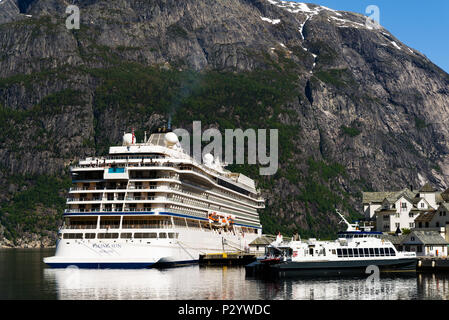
145,253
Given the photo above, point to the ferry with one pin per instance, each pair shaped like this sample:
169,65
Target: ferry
352,253
151,204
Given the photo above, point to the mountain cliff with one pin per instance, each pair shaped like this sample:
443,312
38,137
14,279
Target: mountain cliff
356,109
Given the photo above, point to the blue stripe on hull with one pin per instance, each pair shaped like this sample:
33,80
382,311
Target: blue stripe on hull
121,265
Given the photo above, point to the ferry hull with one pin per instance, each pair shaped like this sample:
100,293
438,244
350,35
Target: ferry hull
329,268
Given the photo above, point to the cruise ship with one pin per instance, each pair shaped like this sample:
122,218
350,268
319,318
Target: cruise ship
151,204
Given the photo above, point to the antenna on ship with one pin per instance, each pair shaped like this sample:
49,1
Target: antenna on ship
351,227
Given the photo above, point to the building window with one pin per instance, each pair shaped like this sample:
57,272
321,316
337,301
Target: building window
437,224
419,249
411,225
427,224
420,224
412,238
397,225
422,204
398,215
404,206
410,215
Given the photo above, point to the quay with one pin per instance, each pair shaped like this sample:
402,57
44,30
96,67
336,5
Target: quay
432,264
227,258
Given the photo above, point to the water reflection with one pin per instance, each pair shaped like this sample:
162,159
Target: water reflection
223,283
178,283
24,276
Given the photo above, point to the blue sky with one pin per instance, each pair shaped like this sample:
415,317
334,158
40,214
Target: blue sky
422,25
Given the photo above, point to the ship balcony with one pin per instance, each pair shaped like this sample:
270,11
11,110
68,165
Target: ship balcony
84,199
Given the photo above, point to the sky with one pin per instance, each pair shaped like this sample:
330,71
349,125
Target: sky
422,25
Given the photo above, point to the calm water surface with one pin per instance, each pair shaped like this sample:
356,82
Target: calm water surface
23,275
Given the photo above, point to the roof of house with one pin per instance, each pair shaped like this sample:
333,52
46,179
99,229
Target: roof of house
391,196
394,239
425,216
427,188
427,237
263,240
445,205
384,211
445,195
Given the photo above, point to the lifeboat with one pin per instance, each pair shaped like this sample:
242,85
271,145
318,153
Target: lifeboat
214,217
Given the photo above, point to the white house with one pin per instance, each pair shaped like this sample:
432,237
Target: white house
426,243
400,209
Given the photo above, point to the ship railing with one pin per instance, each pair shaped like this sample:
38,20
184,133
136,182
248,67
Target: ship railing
83,199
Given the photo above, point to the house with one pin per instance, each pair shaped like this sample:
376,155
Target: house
400,209
435,220
395,212
425,243
259,244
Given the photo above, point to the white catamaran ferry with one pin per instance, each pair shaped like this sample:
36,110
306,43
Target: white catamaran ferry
353,252
151,204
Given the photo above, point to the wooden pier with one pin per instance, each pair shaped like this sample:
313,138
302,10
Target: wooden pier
227,258
432,264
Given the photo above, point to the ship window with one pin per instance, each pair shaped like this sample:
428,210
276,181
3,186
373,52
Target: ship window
376,251
126,235
356,253
89,236
345,252
361,252
173,235
107,235
144,235
392,253
179,222
382,251
350,253
371,252
162,235
339,253
109,222
333,251
73,235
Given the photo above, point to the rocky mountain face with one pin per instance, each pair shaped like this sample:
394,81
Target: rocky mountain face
357,110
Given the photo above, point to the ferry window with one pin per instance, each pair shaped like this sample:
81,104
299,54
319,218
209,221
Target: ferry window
382,252
392,253
345,252
162,235
339,253
366,252
376,251
333,251
361,252
350,253
371,252
356,252
107,235
89,236
126,235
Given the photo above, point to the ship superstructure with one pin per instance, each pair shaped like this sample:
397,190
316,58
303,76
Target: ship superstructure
151,203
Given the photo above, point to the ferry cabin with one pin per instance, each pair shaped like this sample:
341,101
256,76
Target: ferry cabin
350,246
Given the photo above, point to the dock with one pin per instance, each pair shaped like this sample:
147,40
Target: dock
432,264
227,258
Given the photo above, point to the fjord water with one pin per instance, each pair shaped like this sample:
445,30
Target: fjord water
23,275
